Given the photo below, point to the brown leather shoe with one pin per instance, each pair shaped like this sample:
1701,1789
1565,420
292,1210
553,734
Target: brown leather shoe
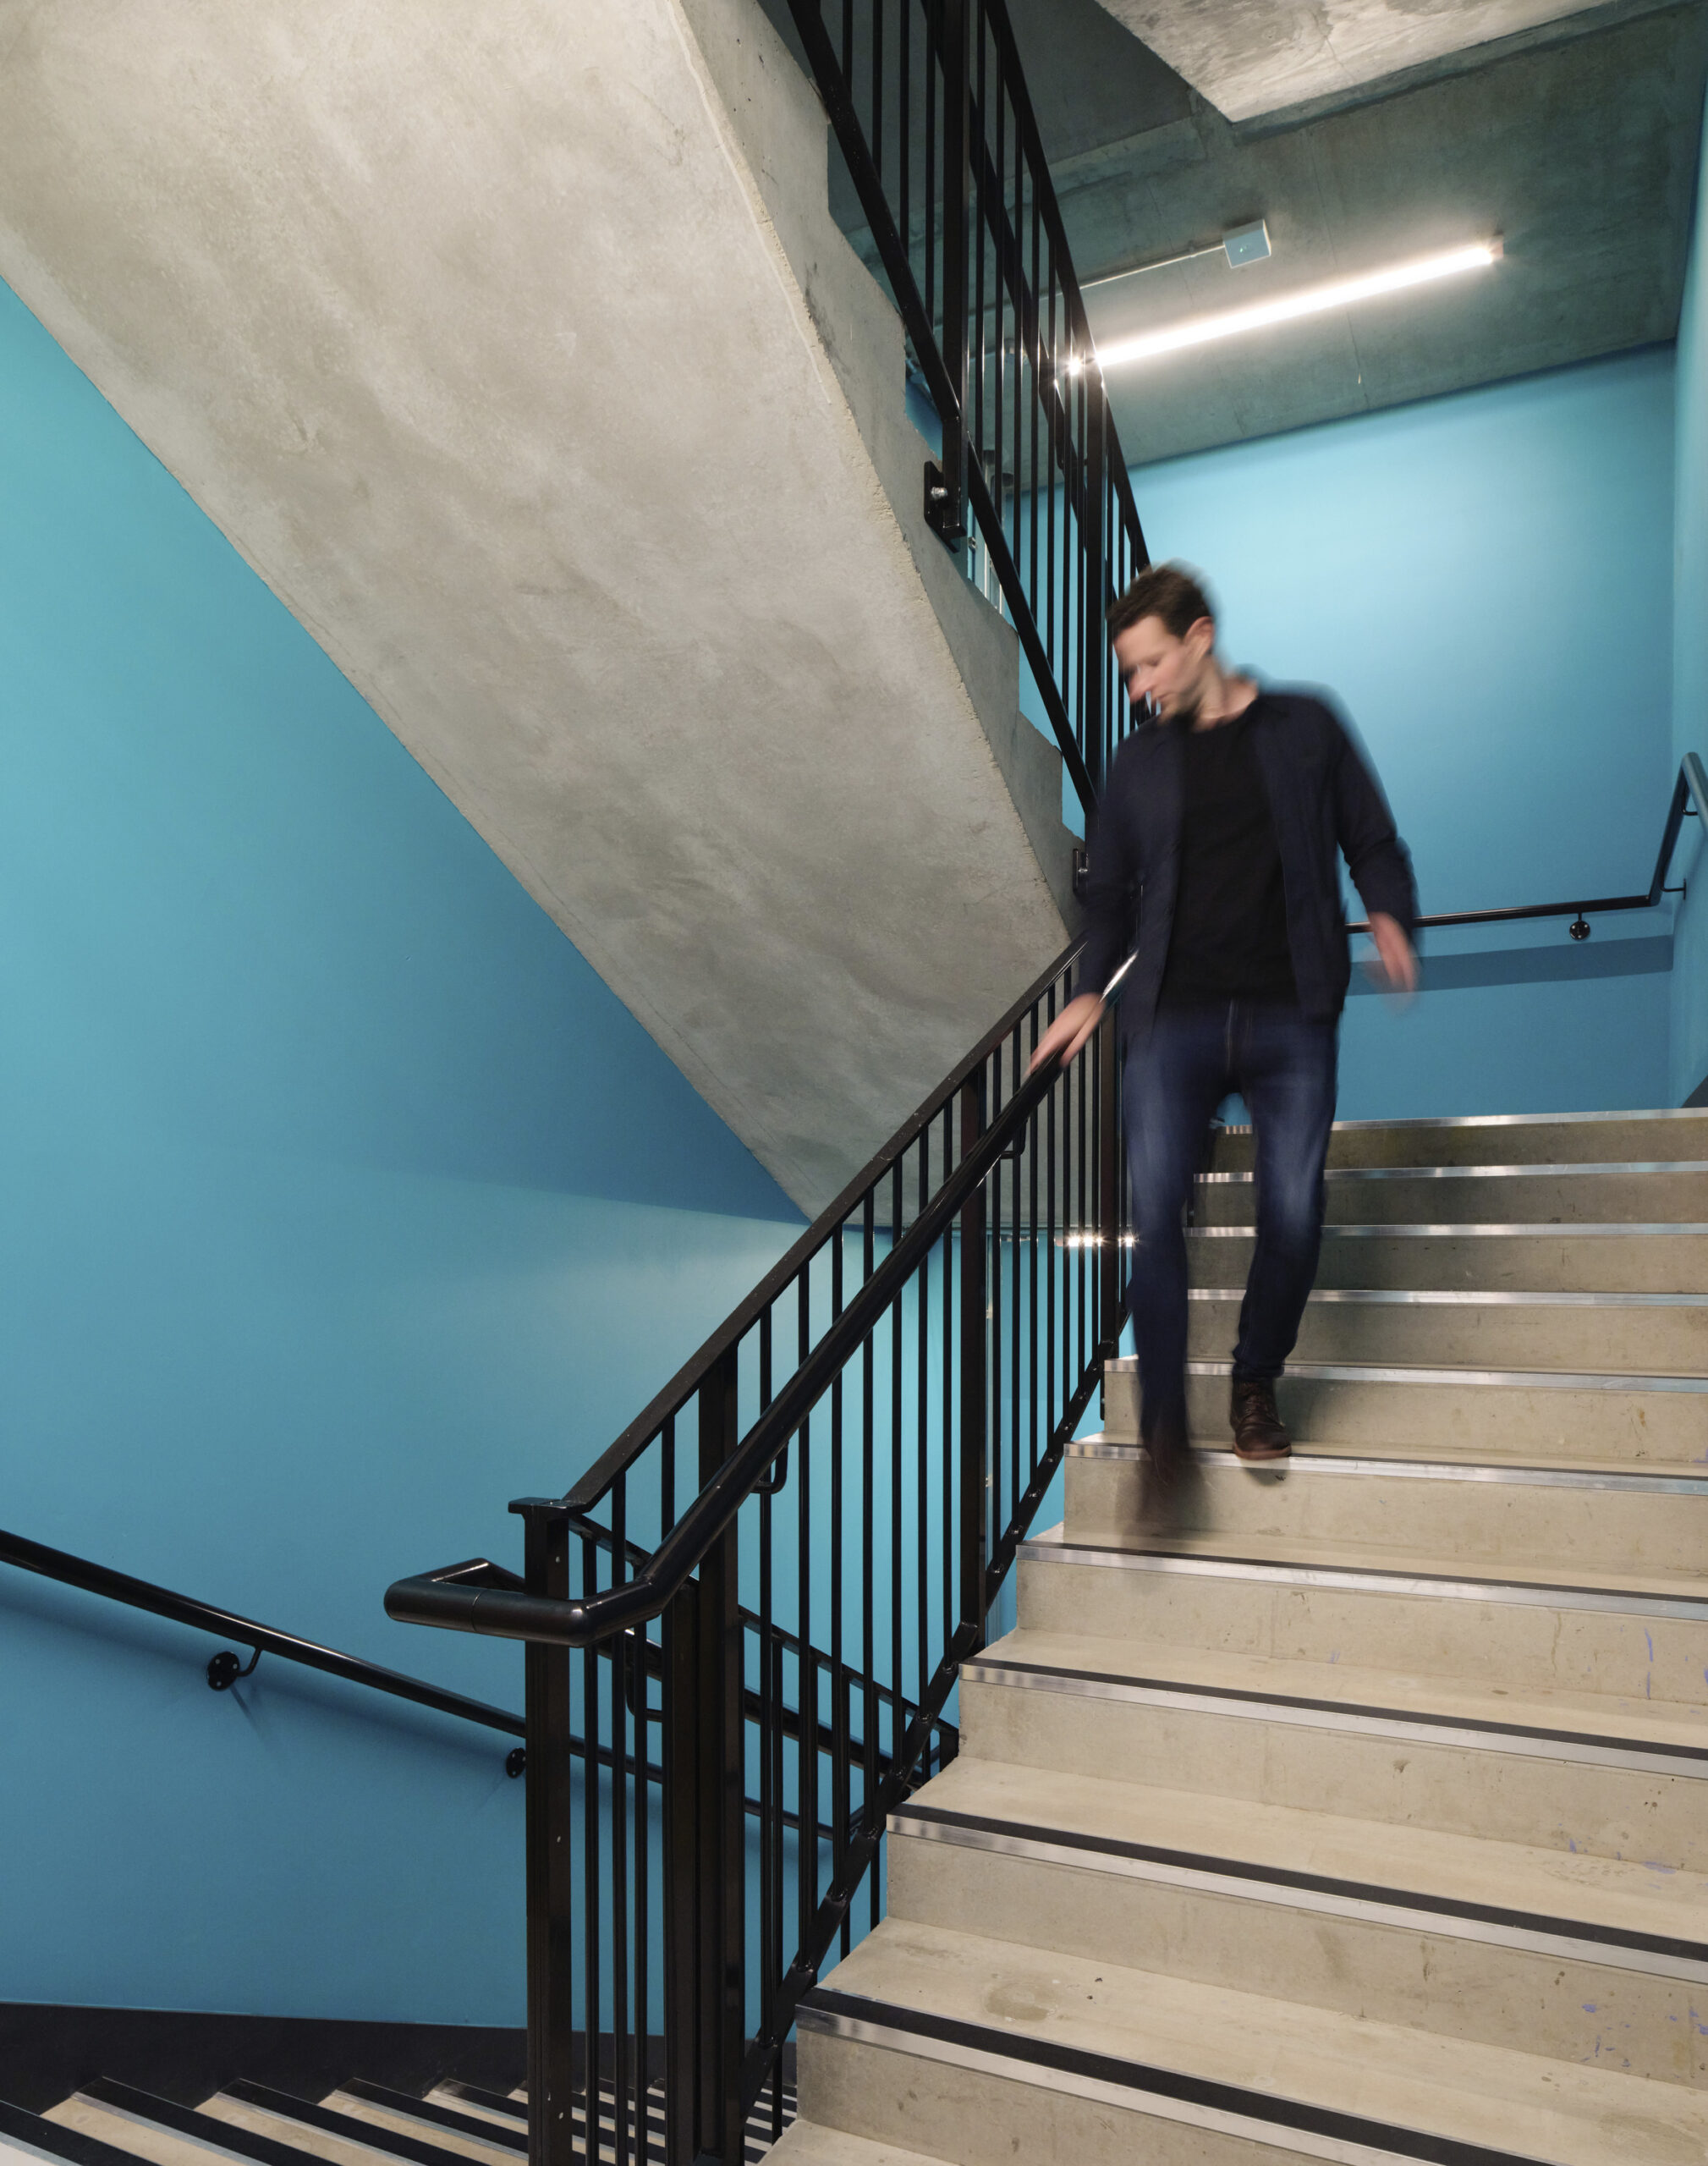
1257,1430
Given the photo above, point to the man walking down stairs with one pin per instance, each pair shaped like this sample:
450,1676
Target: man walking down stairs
1363,1815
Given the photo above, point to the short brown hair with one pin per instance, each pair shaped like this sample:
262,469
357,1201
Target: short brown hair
1169,592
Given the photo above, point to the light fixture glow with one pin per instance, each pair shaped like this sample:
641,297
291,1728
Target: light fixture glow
1340,293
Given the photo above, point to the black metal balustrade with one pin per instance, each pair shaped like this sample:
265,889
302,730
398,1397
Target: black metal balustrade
932,116
762,1593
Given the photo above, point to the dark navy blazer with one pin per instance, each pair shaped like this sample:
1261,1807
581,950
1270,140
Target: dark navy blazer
1325,804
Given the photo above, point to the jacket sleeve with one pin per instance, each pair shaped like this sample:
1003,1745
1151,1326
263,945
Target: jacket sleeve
1110,886
1378,861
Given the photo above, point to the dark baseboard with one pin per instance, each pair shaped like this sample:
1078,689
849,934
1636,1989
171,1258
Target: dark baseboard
46,2052
1699,1097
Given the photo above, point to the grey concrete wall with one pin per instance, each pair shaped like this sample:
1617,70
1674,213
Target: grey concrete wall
516,352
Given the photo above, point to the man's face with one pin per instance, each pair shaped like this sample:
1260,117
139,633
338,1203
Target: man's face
1166,671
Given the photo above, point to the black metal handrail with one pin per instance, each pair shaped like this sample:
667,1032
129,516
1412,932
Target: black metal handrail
1689,801
451,1600
933,119
844,1530
263,1638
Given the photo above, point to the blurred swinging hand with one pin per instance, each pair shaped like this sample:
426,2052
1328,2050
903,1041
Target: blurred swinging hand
1396,956
1071,1029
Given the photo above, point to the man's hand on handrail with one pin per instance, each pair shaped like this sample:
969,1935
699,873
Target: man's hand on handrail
1070,1031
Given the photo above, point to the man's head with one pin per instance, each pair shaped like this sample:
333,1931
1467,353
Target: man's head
1163,632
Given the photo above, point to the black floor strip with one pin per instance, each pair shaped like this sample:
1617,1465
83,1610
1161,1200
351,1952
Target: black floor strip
1272,1876
1142,2078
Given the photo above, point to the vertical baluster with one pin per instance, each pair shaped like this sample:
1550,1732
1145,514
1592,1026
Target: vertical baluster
592,1878
840,1780
1017,1478
948,1448
869,1653
621,2073
897,1677
976,169
993,1305
877,136
922,1437
998,289
642,1690
973,1359
806,1672
553,1781
721,1807
933,201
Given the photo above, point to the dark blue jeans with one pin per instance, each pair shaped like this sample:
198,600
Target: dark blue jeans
1178,1074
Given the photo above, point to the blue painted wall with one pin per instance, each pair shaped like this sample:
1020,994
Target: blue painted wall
1690,1073
340,1202
1485,582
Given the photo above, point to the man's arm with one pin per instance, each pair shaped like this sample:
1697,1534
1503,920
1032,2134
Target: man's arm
1379,863
1109,899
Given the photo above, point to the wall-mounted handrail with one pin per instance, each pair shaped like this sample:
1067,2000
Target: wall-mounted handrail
1689,799
264,1639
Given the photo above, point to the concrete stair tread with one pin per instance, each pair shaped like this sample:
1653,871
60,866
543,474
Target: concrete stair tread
1521,2104
1574,1888
1601,1715
1332,1556
27,2136
1631,1473
167,2134
805,2143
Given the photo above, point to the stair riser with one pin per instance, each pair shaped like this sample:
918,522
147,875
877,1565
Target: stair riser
1657,1342
1507,1143
972,2119
1489,1523
1483,1199
1510,1421
1508,1645
1560,2004
1503,1796
1545,1263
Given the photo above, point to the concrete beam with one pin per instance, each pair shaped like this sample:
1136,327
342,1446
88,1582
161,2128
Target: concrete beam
514,351
1253,57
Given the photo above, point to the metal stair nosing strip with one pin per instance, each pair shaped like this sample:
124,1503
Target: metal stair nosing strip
1371,1372
22,2132
1637,1480
1542,1168
1411,1726
1371,1578
1312,2132
1466,1297
1507,1230
433,2115
124,2101
1581,1940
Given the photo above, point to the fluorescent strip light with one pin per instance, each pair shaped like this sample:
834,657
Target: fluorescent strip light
1341,293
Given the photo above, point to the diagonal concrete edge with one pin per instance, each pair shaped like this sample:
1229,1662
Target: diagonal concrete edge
519,356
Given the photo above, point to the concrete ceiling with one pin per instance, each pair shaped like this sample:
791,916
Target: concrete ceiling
1576,143
1253,57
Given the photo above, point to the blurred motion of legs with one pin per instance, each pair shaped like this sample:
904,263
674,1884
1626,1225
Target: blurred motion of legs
1178,1072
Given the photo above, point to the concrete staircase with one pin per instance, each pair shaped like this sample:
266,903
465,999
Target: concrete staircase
359,2124
1363,1814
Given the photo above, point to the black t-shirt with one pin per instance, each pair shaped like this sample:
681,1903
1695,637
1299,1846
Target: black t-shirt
1229,939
